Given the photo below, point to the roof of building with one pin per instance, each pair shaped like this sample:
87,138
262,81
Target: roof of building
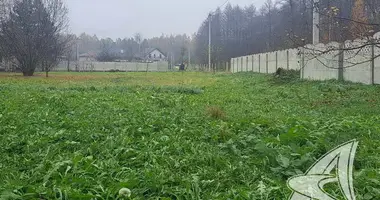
146,52
89,54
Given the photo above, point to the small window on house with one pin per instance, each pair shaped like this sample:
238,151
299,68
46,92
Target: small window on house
154,55
160,55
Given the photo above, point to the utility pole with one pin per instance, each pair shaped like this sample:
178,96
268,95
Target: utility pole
189,51
77,51
316,22
209,42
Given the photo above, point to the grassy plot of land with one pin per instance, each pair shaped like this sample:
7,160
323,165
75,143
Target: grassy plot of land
178,135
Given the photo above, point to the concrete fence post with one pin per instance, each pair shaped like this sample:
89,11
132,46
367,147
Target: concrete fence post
340,62
287,59
266,62
253,61
276,61
241,64
233,64
372,62
246,64
302,63
237,64
259,63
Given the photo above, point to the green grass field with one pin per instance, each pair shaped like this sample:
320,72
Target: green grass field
178,135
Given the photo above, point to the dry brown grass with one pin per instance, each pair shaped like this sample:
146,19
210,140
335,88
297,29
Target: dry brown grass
215,112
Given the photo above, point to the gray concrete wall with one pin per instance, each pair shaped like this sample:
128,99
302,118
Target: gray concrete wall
266,62
358,61
107,66
319,66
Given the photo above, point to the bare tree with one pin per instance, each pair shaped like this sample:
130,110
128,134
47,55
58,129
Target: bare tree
71,50
55,44
32,34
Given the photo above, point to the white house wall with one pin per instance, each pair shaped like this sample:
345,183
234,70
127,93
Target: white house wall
157,53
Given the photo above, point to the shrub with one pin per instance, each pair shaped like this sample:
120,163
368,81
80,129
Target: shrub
285,76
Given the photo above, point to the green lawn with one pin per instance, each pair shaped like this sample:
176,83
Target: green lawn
178,135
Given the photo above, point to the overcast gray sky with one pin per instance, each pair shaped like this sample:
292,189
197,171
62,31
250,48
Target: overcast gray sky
123,18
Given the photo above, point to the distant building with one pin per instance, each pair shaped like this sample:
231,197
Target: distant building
150,54
87,57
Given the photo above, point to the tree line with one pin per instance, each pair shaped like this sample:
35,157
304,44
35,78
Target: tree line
237,31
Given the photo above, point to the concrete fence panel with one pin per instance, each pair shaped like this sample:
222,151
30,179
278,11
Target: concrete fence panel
357,62
282,59
376,69
272,62
263,63
321,63
249,63
256,63
294,59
